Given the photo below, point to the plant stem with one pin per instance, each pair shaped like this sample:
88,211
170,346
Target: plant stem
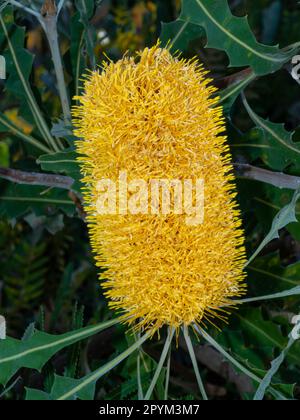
77,72
194,362
48,21
104,369
237,364
167,380
34,178
286,293
49,18
26,9
138,369
41,123
275,366
160,364
235,87
296,45
60,6
278,179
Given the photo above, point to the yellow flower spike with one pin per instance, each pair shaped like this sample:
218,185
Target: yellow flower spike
154,117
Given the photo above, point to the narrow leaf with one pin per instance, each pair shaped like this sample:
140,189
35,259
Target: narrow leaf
229,95
34,352
2,328
62,162
60,385
287,293
161,362
271,142
17,200
275,366
237,364
179,34
94,376
285,216
194,362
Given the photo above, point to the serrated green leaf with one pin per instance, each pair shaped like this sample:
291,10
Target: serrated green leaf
295,291
62,162
286,389
6,126
275,366
17,81
10,387
266,275
62,293
265,335
53,224
17,200
24,276
61,385
36,395
265,201
74,352
285,216
179,34
69,389
29,331
229,95
233,35
34,352
86,9
234,341
250,356
94,376
271,142
236,363
19,64
60,130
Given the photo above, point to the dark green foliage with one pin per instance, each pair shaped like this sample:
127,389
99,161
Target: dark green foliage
24,278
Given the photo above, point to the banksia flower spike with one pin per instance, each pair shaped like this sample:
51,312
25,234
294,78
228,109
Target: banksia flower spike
153,117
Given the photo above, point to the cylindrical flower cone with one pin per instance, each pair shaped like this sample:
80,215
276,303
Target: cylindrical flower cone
152,117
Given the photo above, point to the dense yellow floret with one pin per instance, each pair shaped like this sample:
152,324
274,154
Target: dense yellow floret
154,117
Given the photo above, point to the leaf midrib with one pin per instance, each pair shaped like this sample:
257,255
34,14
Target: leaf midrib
237,40
272,340
76,336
